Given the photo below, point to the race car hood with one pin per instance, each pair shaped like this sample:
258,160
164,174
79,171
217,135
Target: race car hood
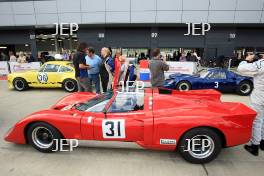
73,98
21,74
50,116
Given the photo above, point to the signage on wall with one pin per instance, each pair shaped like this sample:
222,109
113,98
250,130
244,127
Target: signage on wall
154,35
101,35
232,35
192,29
21,67
32,36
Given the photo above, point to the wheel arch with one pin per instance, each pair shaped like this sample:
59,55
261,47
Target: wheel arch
245,79
33,122
218,131
19,77
184,80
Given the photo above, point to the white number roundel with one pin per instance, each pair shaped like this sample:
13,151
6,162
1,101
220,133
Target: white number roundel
114,128
43,77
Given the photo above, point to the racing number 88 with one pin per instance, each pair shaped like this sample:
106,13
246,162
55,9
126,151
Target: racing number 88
113,128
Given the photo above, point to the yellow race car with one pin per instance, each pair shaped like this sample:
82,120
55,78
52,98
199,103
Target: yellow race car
53,74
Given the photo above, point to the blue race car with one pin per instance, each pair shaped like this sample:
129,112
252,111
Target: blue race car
220,79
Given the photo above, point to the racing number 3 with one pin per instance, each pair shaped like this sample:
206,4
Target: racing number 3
113,128
216,85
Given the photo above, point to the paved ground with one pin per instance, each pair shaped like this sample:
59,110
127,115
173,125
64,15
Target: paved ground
101,159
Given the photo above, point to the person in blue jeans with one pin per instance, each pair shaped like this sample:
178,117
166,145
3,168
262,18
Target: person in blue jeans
95,62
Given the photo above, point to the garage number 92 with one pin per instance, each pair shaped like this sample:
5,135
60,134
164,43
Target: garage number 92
114,128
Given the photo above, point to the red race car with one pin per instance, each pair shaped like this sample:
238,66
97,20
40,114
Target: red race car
195,123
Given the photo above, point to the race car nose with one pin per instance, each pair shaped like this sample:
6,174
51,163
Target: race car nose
8,134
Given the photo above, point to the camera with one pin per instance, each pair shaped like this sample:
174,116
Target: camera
257,56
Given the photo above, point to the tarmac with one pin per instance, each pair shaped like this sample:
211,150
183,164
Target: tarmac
105,158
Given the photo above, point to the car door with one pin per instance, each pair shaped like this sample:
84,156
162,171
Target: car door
92,114
125,120
32,77
49,76
216,80
231,84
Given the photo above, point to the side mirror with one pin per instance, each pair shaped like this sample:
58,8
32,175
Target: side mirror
104,111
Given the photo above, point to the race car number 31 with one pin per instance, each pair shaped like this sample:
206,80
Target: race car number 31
114,128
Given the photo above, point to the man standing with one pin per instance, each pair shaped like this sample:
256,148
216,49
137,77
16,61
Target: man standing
157,68
95,63
255,69
81,72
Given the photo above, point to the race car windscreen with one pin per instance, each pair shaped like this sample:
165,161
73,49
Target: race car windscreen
95,104
126,102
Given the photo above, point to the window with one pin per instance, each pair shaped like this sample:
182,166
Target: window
51,68
70,64
65,69
96,104
125,102
99,107
217,75
42,68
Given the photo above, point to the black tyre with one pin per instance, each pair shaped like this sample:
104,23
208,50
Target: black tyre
208,145
70,85
42,137
244,88
183,86
20,84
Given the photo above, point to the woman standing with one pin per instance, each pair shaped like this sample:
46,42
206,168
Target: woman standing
21,58
107,69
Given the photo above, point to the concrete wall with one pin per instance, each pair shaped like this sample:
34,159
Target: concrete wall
46,12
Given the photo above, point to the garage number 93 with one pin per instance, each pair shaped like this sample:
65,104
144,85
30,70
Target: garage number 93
113,128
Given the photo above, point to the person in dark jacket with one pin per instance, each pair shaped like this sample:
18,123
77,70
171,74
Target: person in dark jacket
107,69
81,69
103,72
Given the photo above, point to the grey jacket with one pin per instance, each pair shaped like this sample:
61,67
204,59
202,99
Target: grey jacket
157,68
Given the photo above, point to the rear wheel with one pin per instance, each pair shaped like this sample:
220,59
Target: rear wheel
20,84
42,137
200,145
70,85
245,88
183,86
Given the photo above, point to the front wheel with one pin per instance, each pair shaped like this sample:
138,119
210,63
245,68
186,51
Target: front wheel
20,84
244,88
70,85
42,137
200,145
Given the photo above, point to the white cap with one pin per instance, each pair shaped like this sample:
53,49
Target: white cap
58,57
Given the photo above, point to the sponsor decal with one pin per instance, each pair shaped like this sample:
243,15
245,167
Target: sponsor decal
168,141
